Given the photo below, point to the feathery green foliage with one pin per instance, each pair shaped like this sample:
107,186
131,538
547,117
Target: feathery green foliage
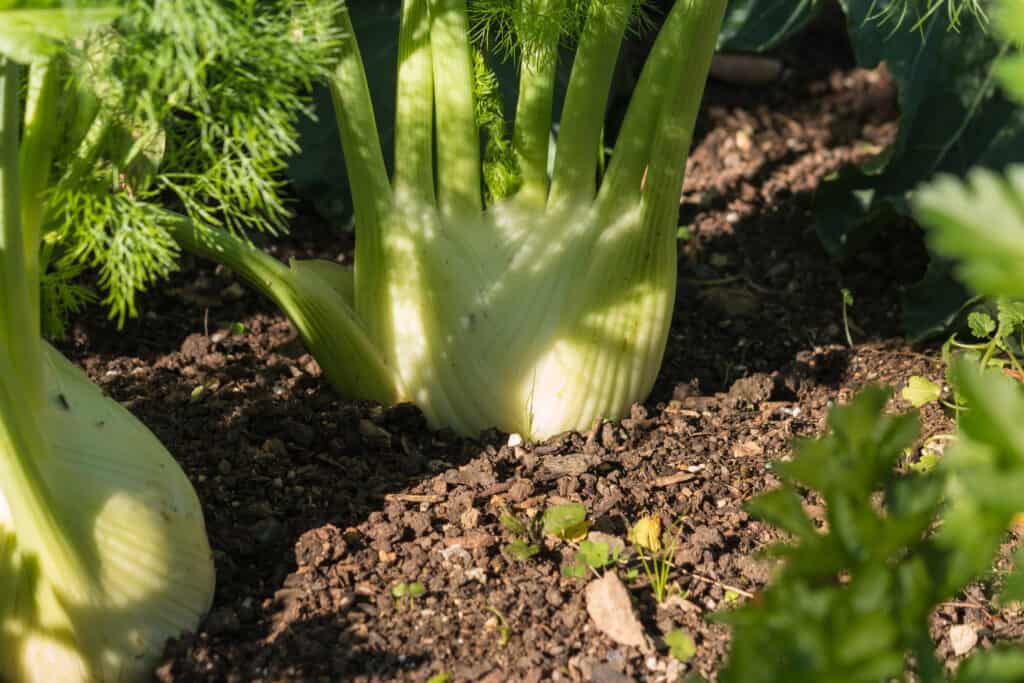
189,100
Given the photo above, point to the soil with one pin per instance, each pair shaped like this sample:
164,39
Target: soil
317,506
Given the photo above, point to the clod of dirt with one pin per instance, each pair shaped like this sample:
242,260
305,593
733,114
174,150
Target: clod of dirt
609,606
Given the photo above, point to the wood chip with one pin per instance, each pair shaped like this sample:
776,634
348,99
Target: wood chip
747,449
414,498
673,479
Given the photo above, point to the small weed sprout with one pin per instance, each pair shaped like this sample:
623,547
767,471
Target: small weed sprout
847,303
406,593
645,536
567,522
504,632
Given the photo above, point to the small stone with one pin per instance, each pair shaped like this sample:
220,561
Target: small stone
224,466
470,518
963,638
514,440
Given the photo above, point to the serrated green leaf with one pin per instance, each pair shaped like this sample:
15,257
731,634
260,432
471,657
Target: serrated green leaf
1009,20
981,324
921,391
782,508
980,223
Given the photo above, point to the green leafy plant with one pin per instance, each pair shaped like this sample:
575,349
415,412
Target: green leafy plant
118,120
534,312
851,602
567,521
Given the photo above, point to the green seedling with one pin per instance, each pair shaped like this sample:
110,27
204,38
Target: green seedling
591,557
658,564
847,303
525,536
567,522
442,677
504,632
680,644
921,391
237,329
405,594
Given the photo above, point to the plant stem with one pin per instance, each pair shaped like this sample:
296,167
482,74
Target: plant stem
458,138
364,163
531,137
19,305
22,393
586,101
327,324
414,115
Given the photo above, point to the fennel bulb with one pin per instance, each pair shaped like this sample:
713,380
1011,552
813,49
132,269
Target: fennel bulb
104,556
537,312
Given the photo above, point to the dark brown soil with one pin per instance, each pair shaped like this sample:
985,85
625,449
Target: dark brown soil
317,506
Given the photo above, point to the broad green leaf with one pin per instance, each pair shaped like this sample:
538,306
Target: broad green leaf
593,554
998,665
921,391
1009,20
980,223
953,116
565,521
680,644
1013,587
28,35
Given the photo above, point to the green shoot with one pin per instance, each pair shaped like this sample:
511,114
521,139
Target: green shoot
504,632
847,303
658,565
405,594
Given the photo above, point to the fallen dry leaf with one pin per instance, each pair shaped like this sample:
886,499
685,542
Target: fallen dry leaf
609,606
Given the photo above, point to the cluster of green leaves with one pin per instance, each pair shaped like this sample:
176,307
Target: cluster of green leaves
189,101
567,521
999,333
852,600
405,594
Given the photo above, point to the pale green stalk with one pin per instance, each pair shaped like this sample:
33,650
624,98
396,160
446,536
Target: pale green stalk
458,138
364,161
309,293
586,99
531,137
414,116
